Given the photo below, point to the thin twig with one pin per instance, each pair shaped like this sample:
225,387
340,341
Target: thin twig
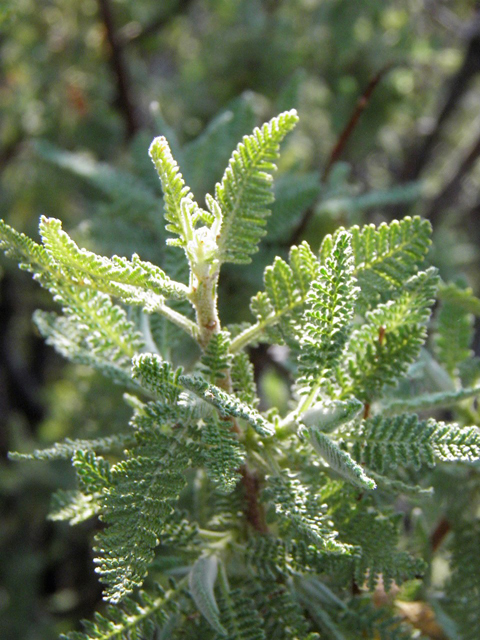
439,533
360,107
120,71
339,147
254,511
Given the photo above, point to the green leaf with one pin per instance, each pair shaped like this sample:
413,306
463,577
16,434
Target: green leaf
279,308
201,581
328,317
300,509
244,193
68,448
329,415
133,281
340,460
73,506
133,619
454,335
439,400
93,472
29,255
386,443
227,404
385,256
223,454
216,359
158,375
178,199
139,507
463,587
381,351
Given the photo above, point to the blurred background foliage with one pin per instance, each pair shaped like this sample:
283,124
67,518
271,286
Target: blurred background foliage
86,85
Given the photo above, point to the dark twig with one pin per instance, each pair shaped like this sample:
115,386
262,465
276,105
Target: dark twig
439,533
156,25
360,107
119,69
254,511
337,150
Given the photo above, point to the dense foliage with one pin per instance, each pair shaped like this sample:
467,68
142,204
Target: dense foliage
239,522
387,95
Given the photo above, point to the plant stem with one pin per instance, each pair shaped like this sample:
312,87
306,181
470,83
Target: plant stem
179,319
204,300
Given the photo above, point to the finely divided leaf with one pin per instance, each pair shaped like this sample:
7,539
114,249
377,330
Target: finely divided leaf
245,193
279,308
380,352
228,404
329,314
299,508
139,509
176,193
341,461
385,256
329,415
134,281
386,443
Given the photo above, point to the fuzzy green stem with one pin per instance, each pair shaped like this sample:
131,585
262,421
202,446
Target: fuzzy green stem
180,320
203,297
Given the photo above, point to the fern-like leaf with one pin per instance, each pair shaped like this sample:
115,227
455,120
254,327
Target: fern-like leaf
454,334
244,193
134,281
381,351
223,454
138,507
243,379
463,587
68,448
133,619
298,508
216,359
385,256
439,400
364,526
178,199
227,404
240,617
73,506
340,460
386,443
328,317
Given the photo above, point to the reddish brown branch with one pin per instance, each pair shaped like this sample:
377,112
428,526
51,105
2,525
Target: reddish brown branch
119,69
351,125
439,534
254,511
344,137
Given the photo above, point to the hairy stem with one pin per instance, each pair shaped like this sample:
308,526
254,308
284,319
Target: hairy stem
204,300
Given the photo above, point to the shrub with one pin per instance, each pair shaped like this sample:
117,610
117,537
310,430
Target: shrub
251,524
